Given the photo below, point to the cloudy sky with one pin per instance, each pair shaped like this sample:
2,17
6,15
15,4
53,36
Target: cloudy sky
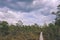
28,11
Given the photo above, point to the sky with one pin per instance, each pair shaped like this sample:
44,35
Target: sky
28,11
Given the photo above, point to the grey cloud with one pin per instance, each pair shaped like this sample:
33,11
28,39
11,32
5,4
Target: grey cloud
13,5
4,13
22,0
32,17
28,5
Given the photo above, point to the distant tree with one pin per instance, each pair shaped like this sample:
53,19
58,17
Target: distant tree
19,23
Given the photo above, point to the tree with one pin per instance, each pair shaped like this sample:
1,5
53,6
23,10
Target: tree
57,19
19,23
57,23
4,28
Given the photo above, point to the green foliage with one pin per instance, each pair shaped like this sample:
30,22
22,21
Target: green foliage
19,33
4,28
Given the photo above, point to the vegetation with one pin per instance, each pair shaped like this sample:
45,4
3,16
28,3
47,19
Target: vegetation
31,32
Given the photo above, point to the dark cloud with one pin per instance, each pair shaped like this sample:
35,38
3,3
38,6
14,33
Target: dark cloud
22,0
25,5
13,5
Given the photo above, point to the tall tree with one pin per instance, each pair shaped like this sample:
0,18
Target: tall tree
57,20
57,23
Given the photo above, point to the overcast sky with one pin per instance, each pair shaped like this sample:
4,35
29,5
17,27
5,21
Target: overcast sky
28,11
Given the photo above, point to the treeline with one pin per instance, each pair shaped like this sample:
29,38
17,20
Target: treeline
14,32
31,32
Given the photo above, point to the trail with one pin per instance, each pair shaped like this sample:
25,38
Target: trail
41,36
